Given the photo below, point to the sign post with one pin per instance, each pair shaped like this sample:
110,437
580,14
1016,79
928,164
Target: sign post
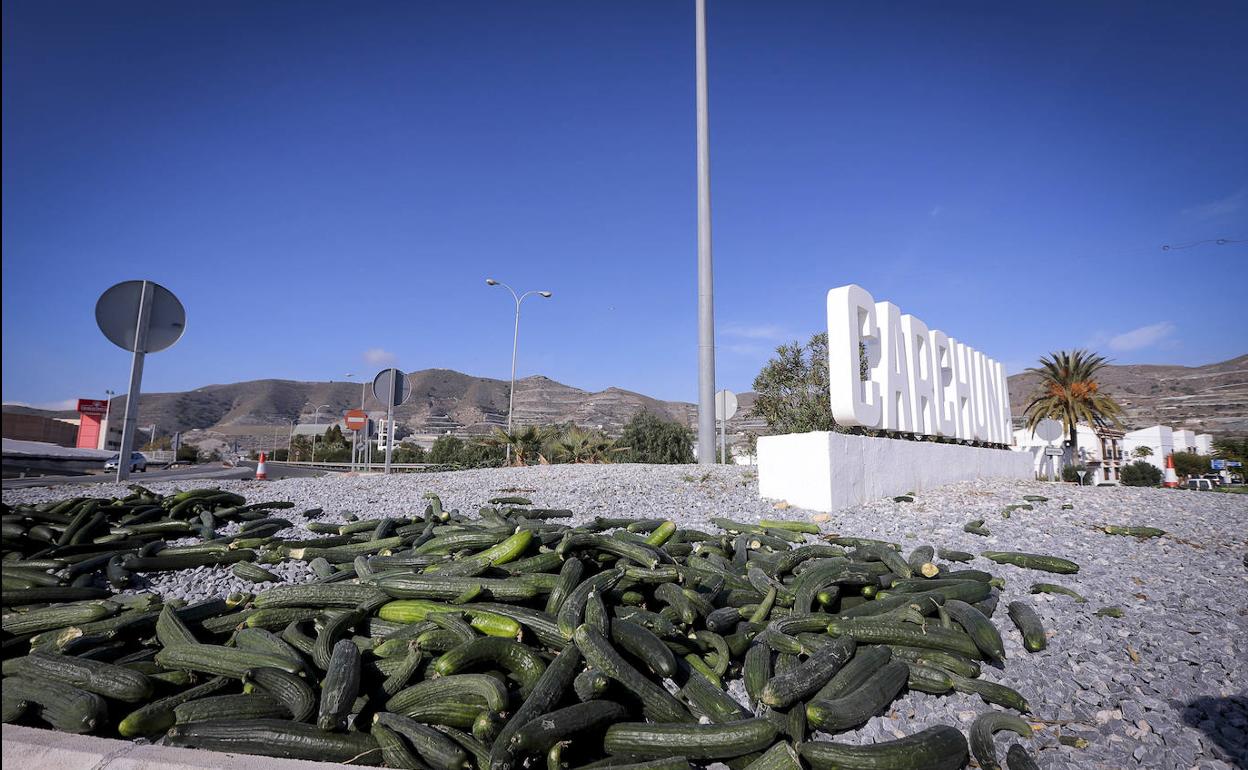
1049,430
725,409
142,317
355,420
390,387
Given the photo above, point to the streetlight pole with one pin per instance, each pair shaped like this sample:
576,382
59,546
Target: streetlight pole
316,420
515,341
108,409
706,296
355,434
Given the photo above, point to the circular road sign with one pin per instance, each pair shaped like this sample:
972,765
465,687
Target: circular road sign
382,384
117,314
725,405
356,419
1048,430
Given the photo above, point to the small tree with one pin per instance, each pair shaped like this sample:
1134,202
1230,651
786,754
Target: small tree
1071,473
188,453
334,436
1190,463
648,438
1143,451
1141,474
792,389
300,448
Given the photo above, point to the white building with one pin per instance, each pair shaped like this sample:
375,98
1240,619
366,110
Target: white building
1184,440
1100,449
1159,438
1204,444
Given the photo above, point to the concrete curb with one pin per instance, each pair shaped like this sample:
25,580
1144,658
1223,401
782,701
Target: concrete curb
30,747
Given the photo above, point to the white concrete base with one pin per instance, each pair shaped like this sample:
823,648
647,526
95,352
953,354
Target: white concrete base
31,747
825,471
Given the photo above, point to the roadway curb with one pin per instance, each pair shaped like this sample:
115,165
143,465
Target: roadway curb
51,750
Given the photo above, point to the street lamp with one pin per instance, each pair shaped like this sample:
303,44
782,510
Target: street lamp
511,396
316,420
108,408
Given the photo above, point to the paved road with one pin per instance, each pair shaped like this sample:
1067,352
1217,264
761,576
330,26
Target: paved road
245,470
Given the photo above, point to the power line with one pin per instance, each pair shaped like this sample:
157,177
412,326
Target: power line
1194,244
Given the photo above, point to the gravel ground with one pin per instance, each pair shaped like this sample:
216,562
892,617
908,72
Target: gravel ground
1165,686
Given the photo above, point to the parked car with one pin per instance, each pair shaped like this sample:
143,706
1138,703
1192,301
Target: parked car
1200,483
138,462
1214,478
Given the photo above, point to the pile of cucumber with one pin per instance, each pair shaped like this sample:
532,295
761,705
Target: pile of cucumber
501,640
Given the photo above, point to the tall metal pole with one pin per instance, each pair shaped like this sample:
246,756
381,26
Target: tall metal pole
723,427
108,410
390,417
136,376
706,296
511,393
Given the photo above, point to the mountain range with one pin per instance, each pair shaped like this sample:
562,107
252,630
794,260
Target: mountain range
1211,398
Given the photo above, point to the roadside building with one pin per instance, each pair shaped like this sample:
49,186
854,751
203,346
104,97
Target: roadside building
1184,440
36,427
1100,450
1159,439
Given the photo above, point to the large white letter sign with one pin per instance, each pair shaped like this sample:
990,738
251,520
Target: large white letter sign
896,369
922,379
919,380
851,322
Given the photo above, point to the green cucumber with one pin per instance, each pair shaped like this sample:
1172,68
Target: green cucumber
942,659
657,703
991,692
520,661
952,555
928,679
569,578
980,628
803,680
231,707
546,693
866,662
1029,626
56,616
1050,588
708,699
345,595
394,750
1033,561
67,708
1142,533
863,703
434,747
982,730
158,716
340,687
538,735
643,644
291,691
276,738
721,741
756,671
447,587
572,611
95,676
937,748
221,661
481,690
870,631
253,573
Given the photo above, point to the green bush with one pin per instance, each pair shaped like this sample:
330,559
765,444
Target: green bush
449,450
1071,473
188,453
1190,463
1141,474
651,439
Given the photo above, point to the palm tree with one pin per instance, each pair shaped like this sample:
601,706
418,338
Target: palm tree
578,445
1068,391
525,443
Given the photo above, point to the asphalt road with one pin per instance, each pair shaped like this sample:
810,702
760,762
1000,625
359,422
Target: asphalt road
245,470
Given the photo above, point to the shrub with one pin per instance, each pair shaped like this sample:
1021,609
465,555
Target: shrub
648,438
1071,473
1190,463
1141,474
188,453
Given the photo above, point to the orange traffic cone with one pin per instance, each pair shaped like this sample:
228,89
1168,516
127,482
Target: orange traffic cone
1172,478
262,473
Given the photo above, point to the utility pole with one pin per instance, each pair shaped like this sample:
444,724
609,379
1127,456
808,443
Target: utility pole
706,296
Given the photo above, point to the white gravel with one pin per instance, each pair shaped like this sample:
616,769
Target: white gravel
1165,686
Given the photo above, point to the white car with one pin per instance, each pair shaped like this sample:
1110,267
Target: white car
1200,484
138,462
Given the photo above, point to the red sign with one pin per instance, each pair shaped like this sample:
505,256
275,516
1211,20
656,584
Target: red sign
92,406
356,419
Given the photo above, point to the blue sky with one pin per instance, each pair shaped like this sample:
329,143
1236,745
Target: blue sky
327,185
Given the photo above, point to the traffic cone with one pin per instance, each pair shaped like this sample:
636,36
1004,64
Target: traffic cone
1172,478
262,472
